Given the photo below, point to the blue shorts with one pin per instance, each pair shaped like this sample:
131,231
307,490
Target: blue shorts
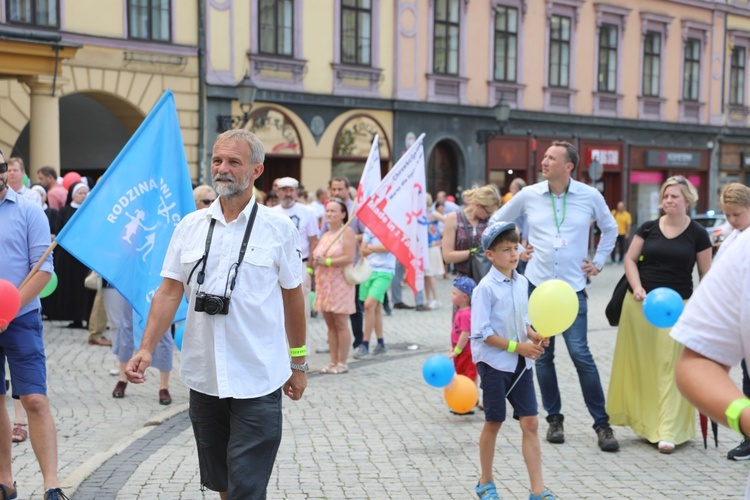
22,344
495,385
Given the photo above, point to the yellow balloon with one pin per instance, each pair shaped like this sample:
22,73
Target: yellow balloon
461,394
553,307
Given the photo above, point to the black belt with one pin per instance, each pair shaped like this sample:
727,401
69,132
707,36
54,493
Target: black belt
305,259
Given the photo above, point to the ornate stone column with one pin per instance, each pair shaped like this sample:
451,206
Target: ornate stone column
44,123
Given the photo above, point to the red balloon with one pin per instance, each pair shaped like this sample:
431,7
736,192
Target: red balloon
10,302
71,178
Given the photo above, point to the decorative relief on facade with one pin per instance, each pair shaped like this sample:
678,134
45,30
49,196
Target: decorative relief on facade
277,133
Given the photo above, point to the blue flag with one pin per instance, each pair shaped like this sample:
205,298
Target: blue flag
123,228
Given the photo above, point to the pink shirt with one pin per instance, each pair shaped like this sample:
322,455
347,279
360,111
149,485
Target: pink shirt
461,323
56,197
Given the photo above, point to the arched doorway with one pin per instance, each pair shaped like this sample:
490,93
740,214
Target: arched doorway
442,169
94,127
281,140
352,147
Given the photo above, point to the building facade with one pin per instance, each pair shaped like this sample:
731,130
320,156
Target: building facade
78,77
646,88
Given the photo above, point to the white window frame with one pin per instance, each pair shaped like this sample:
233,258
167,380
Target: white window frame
509,92
347,78
693,111
652,108
449,89
605,101
736,114
557,99
263,67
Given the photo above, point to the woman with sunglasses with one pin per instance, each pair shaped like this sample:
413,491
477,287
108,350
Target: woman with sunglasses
462,235
334,297
642,390
203,195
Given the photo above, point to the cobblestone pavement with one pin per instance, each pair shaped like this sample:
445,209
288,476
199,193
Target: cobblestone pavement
377,432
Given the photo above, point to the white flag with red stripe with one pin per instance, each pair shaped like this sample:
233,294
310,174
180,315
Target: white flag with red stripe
371,174
396,213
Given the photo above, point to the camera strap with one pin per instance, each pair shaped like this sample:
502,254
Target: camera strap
248,229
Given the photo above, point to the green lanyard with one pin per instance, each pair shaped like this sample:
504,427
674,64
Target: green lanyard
554,209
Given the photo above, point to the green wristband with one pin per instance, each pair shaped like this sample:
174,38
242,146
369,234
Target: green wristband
457,350
298,352
512,346
734,412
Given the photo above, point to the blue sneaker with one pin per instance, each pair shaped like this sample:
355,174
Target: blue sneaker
545,495
487,491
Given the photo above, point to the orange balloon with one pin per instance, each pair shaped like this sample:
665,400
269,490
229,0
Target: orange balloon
461,394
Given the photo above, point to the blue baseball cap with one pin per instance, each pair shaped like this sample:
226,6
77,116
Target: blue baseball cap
465,284
491,233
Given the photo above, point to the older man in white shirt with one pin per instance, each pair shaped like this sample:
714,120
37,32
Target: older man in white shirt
305,220
240,266
559,211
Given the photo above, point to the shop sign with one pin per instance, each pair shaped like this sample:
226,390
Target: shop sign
683,159
608,157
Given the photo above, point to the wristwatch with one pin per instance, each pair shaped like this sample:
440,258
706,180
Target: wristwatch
599,267
300,368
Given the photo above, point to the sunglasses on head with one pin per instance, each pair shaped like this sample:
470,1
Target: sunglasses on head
207,201
3,167
678,179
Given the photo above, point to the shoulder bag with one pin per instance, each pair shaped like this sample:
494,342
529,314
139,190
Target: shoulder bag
478,264
358,273
93,281
614,307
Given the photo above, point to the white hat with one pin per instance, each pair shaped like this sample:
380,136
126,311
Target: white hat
287,182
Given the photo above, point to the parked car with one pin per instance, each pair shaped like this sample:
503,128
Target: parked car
716,226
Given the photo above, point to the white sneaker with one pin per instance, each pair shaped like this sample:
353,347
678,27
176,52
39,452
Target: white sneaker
434,304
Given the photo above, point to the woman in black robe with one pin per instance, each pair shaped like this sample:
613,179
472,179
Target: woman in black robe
71,301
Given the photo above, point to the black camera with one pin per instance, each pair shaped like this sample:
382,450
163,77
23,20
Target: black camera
211,304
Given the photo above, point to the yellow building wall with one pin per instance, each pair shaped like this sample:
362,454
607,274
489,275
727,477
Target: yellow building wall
586,46
535,23
185,22
387,47
477,53
95,17
423,41
317,48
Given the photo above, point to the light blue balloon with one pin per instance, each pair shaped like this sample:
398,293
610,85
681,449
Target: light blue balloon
178,334
662,307
438,371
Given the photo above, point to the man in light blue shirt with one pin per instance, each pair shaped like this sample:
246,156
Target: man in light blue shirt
560,211
23,241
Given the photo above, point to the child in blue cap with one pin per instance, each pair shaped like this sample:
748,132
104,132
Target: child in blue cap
504,348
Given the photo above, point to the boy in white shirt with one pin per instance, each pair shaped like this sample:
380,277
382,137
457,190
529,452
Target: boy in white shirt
504,347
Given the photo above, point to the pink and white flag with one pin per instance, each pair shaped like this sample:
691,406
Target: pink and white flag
396,213
371,173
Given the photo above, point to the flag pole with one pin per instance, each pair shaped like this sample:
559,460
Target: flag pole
38,264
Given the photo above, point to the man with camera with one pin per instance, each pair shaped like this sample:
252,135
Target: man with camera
240,265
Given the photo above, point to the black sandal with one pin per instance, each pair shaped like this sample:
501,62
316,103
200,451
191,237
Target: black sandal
8,494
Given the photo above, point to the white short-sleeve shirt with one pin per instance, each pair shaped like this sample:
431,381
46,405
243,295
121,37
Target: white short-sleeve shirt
305,221
243,354
716,320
